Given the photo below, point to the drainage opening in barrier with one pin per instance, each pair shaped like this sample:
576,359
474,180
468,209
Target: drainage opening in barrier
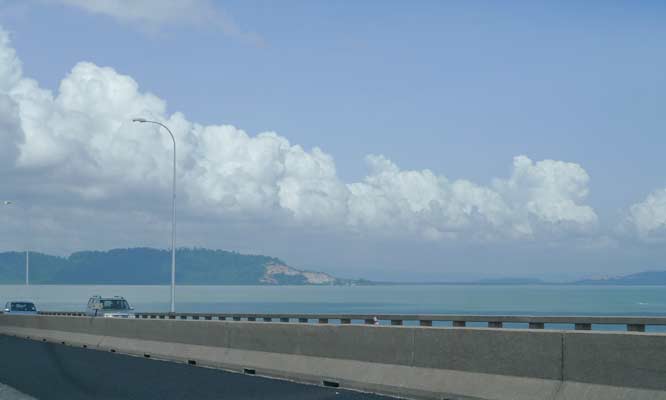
85,346
62,342
43,340
249,371
146,355
112,350
331,383
192,362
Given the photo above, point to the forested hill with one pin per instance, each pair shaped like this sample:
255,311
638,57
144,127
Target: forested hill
146,266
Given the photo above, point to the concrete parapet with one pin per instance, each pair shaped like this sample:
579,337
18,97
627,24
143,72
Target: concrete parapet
416,362
627,360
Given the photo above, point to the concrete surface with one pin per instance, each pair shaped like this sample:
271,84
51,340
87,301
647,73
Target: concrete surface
54,371
628,360
418,362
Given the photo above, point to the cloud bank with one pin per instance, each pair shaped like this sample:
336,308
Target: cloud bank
648,218
81,142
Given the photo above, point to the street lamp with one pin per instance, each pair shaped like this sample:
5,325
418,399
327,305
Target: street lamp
27,252
173,221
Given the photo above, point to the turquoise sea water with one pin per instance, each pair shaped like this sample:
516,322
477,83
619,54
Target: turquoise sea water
435,299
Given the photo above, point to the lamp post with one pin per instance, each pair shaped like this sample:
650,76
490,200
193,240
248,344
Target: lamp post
27,252
173,220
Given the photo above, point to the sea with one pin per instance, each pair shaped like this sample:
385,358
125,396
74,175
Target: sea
388,299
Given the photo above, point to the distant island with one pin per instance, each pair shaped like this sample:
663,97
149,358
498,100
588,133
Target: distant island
646,278
640,278
197,266
147,266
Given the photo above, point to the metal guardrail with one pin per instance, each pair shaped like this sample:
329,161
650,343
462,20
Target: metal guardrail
633,324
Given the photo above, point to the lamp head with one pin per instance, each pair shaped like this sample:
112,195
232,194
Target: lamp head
6,202
139,120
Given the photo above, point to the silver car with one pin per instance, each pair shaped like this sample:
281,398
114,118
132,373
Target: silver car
109,307
20,307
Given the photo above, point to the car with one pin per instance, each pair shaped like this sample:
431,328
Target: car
20,308
109,307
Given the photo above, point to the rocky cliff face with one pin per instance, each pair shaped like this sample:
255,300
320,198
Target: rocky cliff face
282,274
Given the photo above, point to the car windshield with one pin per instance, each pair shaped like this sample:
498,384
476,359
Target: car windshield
23,307
114,304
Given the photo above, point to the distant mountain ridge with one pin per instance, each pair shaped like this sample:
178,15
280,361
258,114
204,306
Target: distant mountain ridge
197,266
147,266
640,278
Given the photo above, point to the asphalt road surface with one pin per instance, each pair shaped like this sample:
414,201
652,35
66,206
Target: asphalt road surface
48,371
8,393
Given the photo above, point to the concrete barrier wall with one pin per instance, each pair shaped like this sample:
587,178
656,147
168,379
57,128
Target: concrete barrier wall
629,360
432,363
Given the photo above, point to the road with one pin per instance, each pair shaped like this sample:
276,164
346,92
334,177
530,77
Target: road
48,371
8,393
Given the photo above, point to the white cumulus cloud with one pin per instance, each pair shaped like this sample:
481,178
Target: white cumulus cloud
10,65
11,134
648,217
543,195
82,143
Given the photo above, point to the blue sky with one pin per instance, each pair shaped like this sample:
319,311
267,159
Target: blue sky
455,88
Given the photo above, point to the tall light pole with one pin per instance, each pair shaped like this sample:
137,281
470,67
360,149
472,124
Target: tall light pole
173,221
27,252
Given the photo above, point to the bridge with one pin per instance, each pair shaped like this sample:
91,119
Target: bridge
409,356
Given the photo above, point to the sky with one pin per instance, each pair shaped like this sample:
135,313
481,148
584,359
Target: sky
407,141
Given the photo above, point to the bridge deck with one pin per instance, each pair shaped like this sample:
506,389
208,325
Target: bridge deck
53,371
